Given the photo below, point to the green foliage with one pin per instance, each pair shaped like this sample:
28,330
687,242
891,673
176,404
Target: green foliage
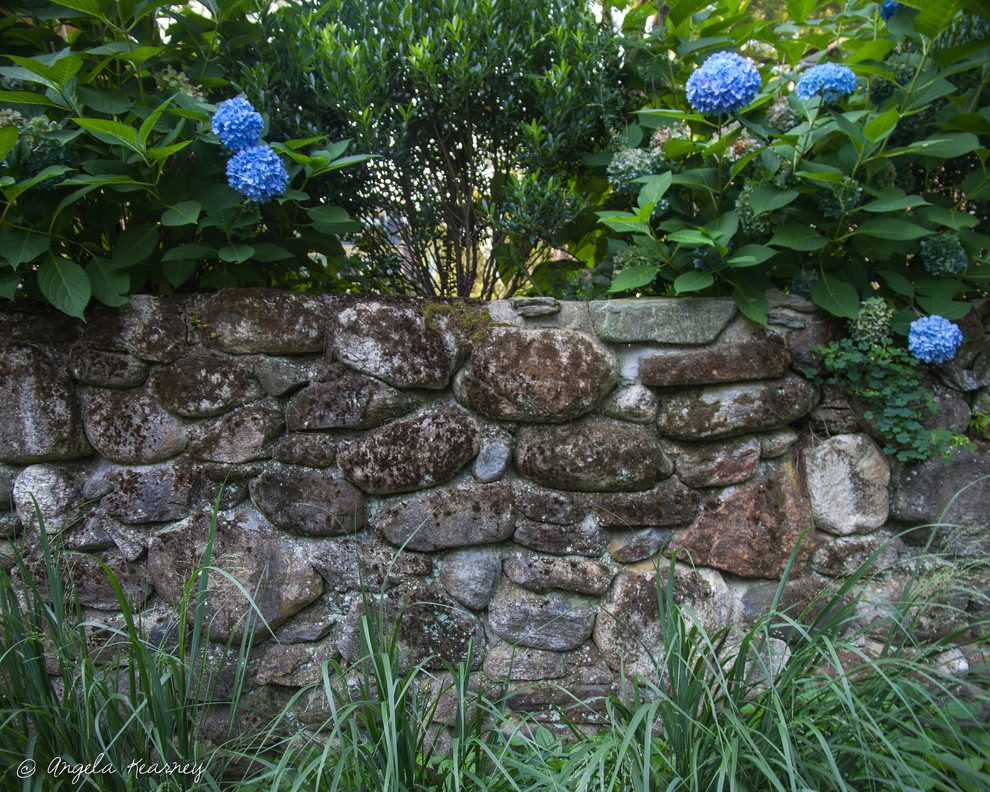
113,182
474,109
980,423
849,190
889,383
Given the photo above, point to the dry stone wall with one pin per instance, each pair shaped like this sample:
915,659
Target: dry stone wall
510,475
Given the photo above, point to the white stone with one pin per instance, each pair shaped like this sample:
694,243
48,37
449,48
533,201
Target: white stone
848,481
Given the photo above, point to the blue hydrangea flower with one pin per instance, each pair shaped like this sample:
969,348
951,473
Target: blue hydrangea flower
829,80
934,339
888,9
724,83
237,124
258,173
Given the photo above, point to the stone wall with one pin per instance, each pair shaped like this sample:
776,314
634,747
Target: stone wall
512,473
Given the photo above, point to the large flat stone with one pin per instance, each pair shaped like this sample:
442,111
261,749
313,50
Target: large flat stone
131,428
506,378
718,464
199,386
848,478
454,517
751,529
411,454
243,321
149,327
308,502
585,538
106,369
662,319
556,621
149,494
39,419
749,360
593,455
347,401
239,436
628,631
669,503
471,575
395,343
542,574
696,413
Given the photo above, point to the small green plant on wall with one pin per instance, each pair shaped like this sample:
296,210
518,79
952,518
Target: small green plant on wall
841,156
118,176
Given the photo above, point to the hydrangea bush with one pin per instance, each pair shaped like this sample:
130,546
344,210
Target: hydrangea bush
120,176
838,155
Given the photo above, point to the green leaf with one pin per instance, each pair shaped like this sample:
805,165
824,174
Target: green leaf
939,215
9,280
110,129
871,49
8,139
798,237
891,228
52,170
149,123
266,251
28,98
179,271
21,247
191,251
748,255
835,296
691,237
938,287
65,284
798,10
898,283
328,214
935,17
766,199
135,244
752,304
692,281
90,7
947,144
634,278
183,213
882,125
235,254
893,199
682,9
109,284
162,152
950,309
654,188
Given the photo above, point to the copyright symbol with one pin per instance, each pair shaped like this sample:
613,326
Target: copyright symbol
26,768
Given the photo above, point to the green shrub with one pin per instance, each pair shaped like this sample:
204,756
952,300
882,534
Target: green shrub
113,182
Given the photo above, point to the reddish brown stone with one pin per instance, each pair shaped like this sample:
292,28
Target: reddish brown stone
508,377
751,530
718,464
750,360
411,454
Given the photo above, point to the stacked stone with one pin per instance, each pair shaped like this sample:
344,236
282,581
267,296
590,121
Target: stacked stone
508,478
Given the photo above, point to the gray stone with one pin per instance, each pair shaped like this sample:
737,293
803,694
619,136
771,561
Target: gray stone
455,517
752,529
541,574
558,621
549,506
493,460
39,421
149,327
245,321
636,404
46,490
411,454
106,369
227,494
628,547
662,319
432,629
158,493
535,306
847,478
628,631
279,376
470,576
10,525
522,664
239,436
667,504
92,585
718,464
776,444
308,502
199,386
7,476
833,415
312,623
295,665
255,559
594,455
750,360
351,563
844,556
802,599
131,428
347,401
949,496
507,376
952,412
306,449
395,343
727,410
584,538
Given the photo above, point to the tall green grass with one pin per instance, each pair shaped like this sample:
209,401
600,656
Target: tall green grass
847,705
